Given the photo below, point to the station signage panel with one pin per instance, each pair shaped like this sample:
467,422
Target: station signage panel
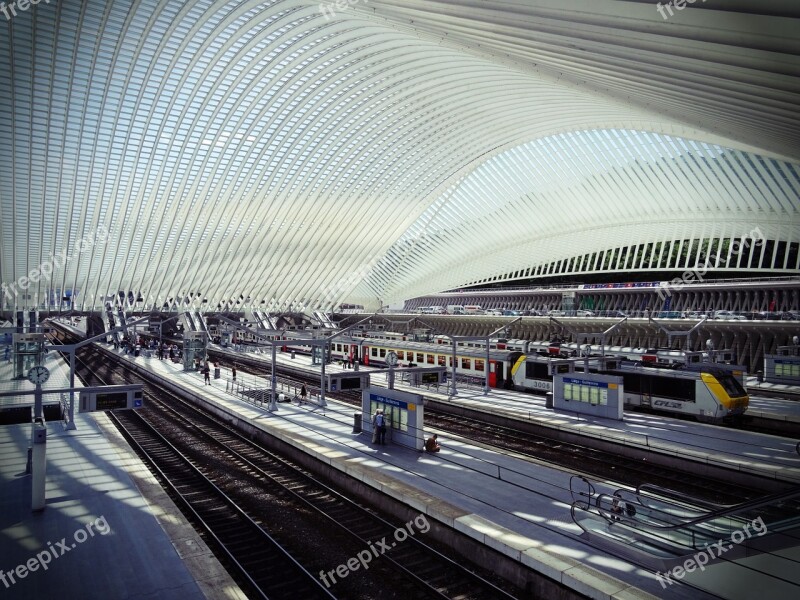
346,382
111,397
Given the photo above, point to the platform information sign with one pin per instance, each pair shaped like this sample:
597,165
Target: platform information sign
592,394
112,397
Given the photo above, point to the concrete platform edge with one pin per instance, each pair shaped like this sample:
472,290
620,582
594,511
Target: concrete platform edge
213,580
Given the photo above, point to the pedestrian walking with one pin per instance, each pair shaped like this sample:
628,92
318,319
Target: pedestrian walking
207,374
233,373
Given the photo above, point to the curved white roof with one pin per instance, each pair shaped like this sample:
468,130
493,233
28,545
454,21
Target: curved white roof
295,155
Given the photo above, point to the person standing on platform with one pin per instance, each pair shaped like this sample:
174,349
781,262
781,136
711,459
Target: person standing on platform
303,393
207,374
233,373
379,426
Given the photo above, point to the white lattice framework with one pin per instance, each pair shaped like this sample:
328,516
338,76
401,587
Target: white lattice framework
601,202
267,152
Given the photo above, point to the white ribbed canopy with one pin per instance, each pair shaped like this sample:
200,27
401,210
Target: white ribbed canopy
295,155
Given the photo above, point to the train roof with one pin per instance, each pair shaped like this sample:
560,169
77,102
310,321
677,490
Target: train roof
437,348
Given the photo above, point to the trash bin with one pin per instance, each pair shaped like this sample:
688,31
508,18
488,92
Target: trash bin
760,376
216,373
292,355
548,400
356,422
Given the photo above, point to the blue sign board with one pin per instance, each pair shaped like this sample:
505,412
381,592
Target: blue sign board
389,401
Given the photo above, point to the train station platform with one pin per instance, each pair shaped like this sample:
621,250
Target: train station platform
516,506
108,530
754,386
768,456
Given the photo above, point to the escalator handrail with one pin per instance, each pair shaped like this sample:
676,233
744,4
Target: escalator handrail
671,494
736,508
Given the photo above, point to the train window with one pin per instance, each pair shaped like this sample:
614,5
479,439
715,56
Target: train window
383,352
374,352
534,370
480,364
731,385
442,361
466,363
401,355
420,357
431,358
678,389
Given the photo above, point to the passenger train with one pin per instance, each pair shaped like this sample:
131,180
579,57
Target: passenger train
705,391
653,379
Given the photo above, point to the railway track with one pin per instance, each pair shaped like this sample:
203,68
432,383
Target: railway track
274,524
424,572
259,559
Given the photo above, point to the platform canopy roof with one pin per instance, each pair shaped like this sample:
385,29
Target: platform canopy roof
296,155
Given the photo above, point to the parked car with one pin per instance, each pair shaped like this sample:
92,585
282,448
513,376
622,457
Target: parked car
669,314
494,312
556,313
728,315
584,313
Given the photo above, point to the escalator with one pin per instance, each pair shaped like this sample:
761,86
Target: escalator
732,551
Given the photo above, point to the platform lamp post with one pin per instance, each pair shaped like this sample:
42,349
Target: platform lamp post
38,456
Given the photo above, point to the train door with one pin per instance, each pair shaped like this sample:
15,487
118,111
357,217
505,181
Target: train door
497,374
354,353
366,355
